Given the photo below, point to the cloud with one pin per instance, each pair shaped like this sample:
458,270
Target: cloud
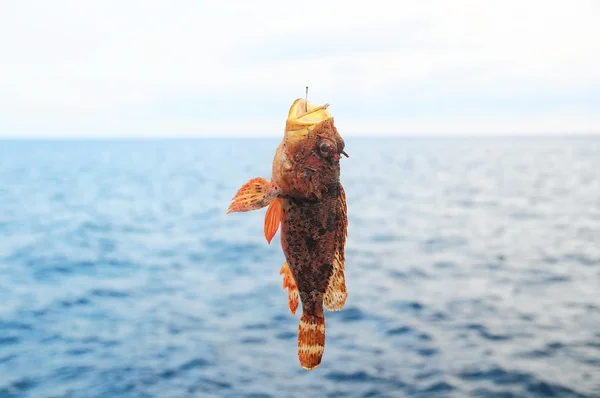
193,68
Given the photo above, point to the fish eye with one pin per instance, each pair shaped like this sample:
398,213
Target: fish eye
324,148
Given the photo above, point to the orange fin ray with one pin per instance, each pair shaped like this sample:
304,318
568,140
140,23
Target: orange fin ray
336,293
253,195
311,340
289,283
273,218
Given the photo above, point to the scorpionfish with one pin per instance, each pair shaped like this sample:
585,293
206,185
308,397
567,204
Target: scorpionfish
306,197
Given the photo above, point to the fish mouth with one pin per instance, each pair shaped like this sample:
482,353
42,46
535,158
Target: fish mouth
302,108
303,113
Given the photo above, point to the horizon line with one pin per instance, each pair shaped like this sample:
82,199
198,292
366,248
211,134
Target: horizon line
234,137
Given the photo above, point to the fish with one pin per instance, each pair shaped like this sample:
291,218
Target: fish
306,198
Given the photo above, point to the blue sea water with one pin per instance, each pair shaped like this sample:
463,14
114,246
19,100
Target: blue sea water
473,269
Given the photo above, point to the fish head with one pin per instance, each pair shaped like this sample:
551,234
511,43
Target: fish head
310,127
306,162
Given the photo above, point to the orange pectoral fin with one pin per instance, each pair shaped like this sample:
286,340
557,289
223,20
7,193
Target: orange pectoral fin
273,218
289,283
253,195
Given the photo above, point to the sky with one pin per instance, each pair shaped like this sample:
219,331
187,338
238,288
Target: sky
190,68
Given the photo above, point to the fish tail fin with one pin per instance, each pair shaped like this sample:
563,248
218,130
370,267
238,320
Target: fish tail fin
289,283
311,340
253,195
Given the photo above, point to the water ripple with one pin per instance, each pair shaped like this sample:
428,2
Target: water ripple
472,270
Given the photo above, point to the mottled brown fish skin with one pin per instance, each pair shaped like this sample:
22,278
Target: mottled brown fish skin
308,236
308,239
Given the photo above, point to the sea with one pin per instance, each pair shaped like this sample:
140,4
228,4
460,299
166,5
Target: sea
472,266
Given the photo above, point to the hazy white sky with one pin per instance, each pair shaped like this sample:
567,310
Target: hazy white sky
194,68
